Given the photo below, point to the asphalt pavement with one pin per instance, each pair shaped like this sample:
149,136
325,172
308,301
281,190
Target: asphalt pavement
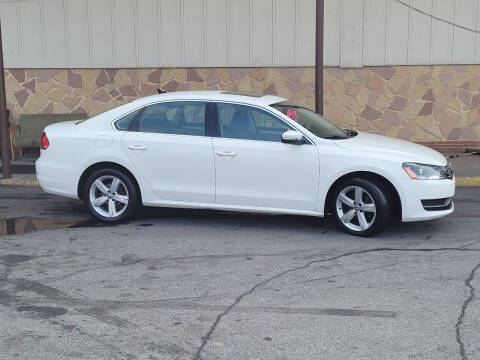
181,284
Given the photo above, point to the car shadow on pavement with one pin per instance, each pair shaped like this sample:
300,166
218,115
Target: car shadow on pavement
68,213
229,218
306,224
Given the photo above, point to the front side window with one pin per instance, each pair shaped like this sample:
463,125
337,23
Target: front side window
249,123
181,118
311,121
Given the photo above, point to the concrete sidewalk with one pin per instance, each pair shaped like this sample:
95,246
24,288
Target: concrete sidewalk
466,167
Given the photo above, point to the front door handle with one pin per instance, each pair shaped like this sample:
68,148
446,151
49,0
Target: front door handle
137,147
226,153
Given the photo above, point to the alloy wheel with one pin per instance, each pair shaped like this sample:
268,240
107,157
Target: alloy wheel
356,208
109,196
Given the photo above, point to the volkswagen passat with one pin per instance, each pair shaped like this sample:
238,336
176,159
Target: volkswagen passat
241,152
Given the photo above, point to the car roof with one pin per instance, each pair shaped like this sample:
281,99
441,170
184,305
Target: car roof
214,95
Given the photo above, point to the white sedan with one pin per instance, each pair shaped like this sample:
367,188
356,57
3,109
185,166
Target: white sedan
241,152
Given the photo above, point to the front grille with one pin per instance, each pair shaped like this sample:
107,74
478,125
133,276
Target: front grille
437,204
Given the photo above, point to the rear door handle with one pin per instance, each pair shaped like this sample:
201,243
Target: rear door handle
137,147
226,153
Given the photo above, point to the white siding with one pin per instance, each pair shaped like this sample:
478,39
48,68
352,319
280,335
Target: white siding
54,37
193,27
101,32
306,32
148,33
12,45
477,36
332,26
216,32
169,33
262,32
285,23
78,35
171,25
124,33
397,33
352,34
442,32
31,33
464,40
375,35
239,32
420,32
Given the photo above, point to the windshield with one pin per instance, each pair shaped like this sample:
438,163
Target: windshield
311,121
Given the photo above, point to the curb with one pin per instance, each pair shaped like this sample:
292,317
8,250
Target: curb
460,182
466,182
18,182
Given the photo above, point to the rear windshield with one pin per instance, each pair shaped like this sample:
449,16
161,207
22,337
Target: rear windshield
311,121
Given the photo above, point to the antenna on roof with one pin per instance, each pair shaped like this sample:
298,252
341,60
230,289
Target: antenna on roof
160,91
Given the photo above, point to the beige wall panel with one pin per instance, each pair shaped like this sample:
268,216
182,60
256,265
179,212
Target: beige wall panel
216,26
237,33
148,33
11,36
262,32
171,32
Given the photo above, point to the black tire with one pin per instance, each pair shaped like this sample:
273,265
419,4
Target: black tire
372,191
130,208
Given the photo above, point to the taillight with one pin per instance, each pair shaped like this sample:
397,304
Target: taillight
44,143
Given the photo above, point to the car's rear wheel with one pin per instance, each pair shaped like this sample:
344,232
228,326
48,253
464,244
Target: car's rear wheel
361,207
110,195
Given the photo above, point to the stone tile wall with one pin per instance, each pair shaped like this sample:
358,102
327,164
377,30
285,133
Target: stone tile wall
419,103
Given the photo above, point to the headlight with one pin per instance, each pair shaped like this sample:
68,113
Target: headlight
428,172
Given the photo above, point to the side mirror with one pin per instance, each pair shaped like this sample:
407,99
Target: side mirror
293,137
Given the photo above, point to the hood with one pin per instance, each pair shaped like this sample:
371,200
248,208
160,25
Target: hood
405,151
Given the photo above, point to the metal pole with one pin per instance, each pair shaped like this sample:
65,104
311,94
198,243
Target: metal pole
319,58
4,138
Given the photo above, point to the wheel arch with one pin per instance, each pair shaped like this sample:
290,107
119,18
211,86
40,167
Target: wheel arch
374,177
102,165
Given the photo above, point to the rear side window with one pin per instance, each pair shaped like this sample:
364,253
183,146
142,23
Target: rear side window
181,118
125,123
249,123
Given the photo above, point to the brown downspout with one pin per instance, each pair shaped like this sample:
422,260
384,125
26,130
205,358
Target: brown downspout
4,138
319,58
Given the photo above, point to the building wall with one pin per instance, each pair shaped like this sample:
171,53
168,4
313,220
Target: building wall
96,90
419,103
237,33
158,33
401,32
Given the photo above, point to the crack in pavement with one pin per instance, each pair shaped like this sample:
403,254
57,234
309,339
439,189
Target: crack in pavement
351,272
471,243
239,298
468,300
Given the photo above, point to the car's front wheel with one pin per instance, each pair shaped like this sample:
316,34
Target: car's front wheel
361,207
110,195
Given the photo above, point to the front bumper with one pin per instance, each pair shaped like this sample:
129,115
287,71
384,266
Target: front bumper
414,191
